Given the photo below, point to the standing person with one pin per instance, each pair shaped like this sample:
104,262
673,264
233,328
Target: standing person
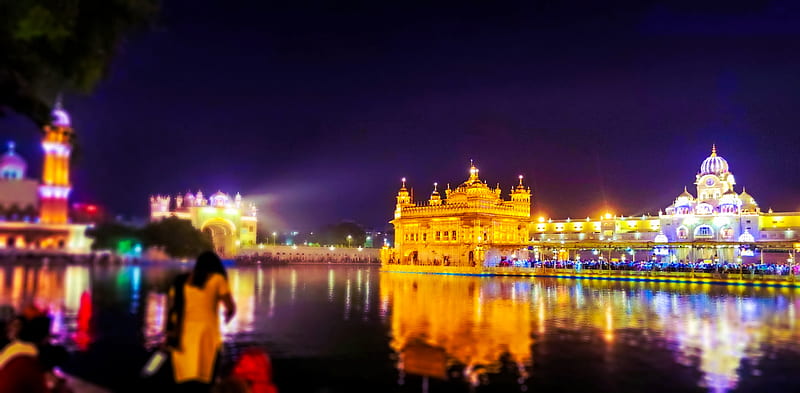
193,333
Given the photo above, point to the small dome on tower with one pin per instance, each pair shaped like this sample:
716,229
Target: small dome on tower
685,196
520,186
60,116
12,166
219,198
748,202
713,164
436,199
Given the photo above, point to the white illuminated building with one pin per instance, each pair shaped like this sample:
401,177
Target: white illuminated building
717,220
718,212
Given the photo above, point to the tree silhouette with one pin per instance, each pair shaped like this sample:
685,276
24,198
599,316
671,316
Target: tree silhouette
48,46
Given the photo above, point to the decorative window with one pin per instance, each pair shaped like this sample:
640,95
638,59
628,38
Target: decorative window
425,237
682,233
438,236
453,235
446,235
726,233
703,231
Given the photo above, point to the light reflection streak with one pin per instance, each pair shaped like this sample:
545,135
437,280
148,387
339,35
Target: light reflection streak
293,283
271,312
347,300
243,291
331,283
366,295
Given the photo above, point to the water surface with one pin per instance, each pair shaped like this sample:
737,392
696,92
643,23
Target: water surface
330,328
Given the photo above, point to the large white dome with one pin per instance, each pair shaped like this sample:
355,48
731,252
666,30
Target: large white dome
713,164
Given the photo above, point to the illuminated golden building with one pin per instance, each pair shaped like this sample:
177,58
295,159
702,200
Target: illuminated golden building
471,223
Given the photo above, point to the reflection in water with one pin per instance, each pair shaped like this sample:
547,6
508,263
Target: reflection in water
242,286
57,290
540,331
478,320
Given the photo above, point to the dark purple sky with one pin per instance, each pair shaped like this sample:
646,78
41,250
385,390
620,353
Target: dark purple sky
320,108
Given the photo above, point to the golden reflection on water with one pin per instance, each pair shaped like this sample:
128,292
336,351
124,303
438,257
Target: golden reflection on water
477,319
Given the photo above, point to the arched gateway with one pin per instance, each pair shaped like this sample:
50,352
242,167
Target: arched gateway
229,221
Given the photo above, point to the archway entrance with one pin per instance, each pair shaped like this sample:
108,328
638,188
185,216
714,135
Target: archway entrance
223,236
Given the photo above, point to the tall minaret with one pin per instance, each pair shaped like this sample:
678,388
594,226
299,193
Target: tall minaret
55,188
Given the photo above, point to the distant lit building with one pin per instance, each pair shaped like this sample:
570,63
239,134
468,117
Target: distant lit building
472,222
230,222
716,213
88,213
34,215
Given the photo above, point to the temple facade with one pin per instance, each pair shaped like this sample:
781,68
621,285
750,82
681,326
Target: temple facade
34,215
469,224
713,213
230,222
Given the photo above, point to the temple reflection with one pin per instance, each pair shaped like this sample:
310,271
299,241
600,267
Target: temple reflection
57,290
477,321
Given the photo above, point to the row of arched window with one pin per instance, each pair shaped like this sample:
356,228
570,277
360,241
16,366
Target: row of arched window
704,232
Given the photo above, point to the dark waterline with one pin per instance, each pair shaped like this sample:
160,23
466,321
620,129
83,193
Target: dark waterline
338,328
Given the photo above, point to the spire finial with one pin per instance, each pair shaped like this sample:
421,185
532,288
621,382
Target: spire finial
684,189
473,171
520,180
435,185
58,103
404,182
713,150
60,116
11,145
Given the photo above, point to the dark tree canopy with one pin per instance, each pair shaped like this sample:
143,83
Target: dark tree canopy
178,237
48,46
337,234
108,235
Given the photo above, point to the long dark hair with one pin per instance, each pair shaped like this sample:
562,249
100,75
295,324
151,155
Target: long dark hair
207,264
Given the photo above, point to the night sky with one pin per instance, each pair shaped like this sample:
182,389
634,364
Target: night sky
319,108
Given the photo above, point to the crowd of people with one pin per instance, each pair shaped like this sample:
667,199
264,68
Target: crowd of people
273,260
700,266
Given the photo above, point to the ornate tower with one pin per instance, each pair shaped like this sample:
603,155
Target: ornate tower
55,188
436,199
521,197
403,198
